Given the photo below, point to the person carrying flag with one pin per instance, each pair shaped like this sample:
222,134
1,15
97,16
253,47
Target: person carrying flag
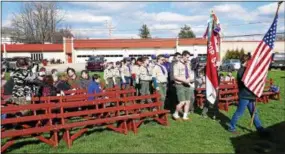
252,76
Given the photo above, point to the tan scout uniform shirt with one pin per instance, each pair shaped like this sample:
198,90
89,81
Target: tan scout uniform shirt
108,73
152,65
179,71
125,71
145,73
136,70
158,74
117,73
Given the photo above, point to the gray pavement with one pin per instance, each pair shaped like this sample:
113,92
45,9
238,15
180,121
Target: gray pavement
63,67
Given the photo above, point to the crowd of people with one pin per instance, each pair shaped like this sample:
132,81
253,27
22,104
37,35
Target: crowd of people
175,81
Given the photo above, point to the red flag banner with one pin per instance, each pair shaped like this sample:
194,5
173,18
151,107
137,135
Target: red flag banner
211,70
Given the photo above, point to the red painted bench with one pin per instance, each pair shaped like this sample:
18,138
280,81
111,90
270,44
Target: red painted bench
35,125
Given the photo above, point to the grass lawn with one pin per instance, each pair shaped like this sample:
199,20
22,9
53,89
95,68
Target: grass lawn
196,136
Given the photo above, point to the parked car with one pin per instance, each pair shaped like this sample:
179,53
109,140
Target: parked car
230,65
95,63
202,61
11,62
278,61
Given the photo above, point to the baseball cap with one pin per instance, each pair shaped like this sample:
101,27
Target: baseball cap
166,56
153,56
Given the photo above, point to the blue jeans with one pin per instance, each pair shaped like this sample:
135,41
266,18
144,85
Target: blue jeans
243,103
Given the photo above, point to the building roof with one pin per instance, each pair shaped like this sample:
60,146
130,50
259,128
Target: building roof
32,47
125,43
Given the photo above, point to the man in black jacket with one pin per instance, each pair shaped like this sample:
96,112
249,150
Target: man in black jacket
246,99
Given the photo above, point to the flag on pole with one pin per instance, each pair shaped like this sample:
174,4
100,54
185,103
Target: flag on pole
256,72
211,66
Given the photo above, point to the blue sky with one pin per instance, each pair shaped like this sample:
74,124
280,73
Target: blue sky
88,19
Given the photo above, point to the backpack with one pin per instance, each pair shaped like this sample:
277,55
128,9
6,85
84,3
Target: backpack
274,89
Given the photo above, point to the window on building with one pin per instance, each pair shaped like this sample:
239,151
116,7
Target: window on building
36,56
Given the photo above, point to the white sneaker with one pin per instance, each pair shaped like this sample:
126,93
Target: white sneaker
175,116
185,117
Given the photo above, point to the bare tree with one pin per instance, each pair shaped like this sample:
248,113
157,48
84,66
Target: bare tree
57,37
36,22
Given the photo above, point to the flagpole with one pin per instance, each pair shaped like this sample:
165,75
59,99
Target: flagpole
254,105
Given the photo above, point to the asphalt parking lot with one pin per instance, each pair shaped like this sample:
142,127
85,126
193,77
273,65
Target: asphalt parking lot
63,67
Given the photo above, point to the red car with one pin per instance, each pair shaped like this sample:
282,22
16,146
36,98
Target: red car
95,63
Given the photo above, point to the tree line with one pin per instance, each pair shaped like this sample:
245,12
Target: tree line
234,54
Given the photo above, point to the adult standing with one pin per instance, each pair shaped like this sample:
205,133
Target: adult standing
183,83
246,99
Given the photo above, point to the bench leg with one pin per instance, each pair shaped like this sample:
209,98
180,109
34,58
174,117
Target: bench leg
162,119
79,133
7,145
54,138
66,138
121,128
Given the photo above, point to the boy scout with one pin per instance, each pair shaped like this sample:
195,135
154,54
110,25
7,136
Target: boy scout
126,73
134,69
108,75
136,75
145,78
117,74
160,75
183,83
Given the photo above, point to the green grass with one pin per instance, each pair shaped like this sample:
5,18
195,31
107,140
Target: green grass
196,136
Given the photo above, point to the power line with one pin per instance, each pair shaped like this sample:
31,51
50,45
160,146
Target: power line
162,29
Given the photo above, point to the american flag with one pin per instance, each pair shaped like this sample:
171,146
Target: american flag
256,72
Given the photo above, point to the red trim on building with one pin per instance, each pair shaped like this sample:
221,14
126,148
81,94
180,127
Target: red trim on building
125,43
32,48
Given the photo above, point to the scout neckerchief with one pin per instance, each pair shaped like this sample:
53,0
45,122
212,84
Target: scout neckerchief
129,68
163,71
186,71
146,67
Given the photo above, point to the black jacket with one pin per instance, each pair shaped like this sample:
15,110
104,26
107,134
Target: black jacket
244,92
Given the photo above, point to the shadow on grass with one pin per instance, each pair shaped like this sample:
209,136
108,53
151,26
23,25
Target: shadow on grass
252,143
22,143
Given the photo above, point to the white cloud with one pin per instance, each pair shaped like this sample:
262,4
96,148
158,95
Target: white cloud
191,5
7,21
270,8
111,6
122,35
169,17
83,17
281,28
235,11
164,26
84,32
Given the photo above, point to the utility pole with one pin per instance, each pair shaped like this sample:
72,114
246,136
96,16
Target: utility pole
109,27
